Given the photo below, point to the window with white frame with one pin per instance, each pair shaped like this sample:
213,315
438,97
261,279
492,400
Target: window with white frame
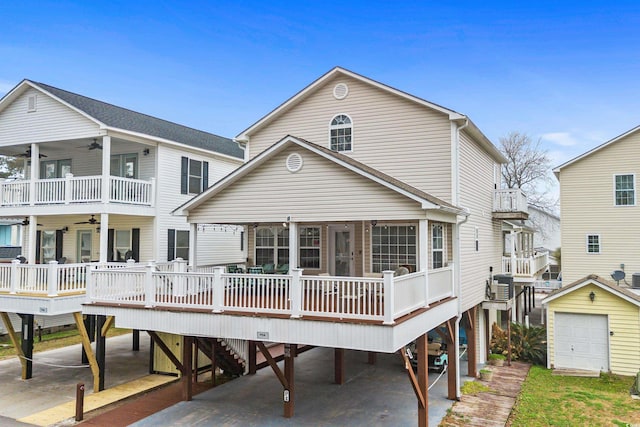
393,246
341,133
178,244
593,243
272,246
194,176
121,244
309,247
625,191
437,246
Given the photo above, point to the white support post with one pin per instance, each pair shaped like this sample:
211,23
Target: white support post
293,245
423,251
106,169
14,276
104,238
193,245
35,172
514,244
296,292
149,291
152,196
218,290
67,188
52,280
31,249
389,297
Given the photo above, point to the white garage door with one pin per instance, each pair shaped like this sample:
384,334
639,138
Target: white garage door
581,341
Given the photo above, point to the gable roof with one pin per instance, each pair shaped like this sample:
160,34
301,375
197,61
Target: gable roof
427,200
295,99
556,170
607,285
119,118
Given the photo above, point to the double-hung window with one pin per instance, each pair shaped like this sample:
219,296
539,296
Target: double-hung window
178,244
593,243
625,190
194,176
437,246
272,245
310,247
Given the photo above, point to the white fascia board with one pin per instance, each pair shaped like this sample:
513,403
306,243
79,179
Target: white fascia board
550,298
174,143
556,170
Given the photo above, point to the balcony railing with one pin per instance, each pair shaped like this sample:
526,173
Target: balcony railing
510,201
82,189
527,267
382,299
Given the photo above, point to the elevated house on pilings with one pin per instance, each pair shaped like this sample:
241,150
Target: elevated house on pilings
98,186
372,217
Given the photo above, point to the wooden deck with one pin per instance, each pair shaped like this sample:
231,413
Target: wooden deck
490,408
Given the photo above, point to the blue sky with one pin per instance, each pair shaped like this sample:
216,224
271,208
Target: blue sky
564,72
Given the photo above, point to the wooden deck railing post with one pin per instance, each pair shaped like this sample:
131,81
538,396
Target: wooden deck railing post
388,297
14,276
52,280
296,292
149,291
88,281
218,290
179,266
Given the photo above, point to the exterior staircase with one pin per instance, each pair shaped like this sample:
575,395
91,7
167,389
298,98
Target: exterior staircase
227,358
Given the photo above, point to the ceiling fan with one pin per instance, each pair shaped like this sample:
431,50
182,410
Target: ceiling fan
95,144
25,222
92,221
27,153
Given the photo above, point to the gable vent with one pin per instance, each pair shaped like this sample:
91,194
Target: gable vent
340,91
294,162
32,103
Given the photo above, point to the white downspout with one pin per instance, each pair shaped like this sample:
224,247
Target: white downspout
467,214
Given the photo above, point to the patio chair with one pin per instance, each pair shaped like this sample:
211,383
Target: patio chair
283,269
268,268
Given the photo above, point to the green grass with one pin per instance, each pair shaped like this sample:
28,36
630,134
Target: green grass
473,387
51,341
548,400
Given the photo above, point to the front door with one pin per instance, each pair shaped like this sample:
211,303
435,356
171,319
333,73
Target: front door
84,245
341,250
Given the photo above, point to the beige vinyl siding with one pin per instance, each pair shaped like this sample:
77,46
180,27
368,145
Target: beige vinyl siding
52,121
169,197
320,191
587,206
398,137
624,322
476,194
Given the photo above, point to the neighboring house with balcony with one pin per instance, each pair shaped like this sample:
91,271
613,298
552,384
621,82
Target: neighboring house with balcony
593,322
99,185
347,182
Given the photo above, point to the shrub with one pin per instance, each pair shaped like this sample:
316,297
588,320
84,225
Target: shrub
527,343
497,356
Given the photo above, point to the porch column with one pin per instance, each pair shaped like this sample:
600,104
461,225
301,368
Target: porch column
338,365
100,350
27,345
193,245
453,362
423,255
104,237
35,172
32,231
289,392
106,171
515,244
293,245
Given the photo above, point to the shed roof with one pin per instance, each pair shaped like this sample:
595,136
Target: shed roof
606,285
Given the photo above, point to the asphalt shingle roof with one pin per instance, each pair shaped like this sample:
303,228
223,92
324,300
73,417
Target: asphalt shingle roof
125,119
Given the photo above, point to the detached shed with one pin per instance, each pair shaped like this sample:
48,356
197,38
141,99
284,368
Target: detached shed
594,325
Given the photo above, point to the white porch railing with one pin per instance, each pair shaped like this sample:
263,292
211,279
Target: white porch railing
509,200
81,189
382,299
525,266
51,279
